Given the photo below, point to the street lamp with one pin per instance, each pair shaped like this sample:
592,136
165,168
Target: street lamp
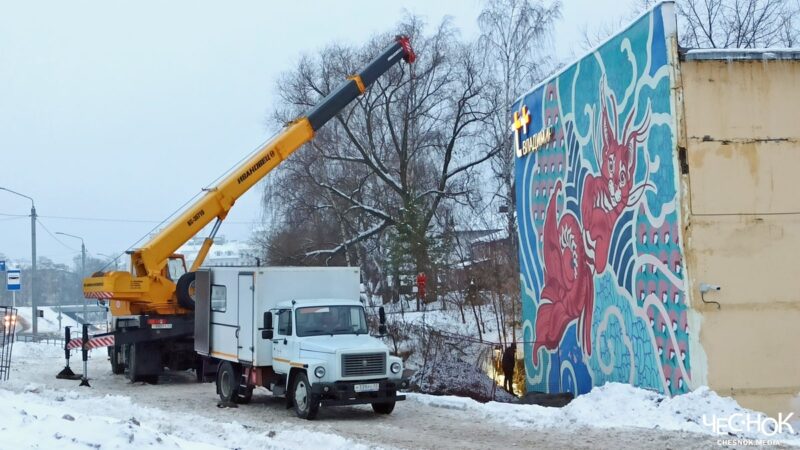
35,313
115,258
83,266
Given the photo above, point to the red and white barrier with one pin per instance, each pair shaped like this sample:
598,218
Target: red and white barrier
94,342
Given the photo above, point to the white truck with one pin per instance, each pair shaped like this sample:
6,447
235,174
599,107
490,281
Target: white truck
301,332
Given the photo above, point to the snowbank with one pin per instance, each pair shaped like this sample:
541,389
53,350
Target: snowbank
43,418
34,350
616,405
29,422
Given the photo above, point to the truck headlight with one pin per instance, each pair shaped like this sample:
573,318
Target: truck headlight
319,372
396,367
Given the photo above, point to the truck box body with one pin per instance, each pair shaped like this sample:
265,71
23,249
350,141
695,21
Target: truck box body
237,314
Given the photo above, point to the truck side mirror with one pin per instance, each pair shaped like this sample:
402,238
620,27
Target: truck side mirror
382,329
266,332
382,315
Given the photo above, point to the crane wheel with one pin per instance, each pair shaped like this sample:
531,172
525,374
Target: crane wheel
184,290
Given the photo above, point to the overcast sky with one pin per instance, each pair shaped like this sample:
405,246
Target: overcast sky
122,111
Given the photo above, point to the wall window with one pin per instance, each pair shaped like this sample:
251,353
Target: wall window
219,298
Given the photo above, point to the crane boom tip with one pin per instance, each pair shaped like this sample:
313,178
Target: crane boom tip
408,52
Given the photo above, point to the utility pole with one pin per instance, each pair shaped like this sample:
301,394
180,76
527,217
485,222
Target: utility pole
33,270
83,275
35,312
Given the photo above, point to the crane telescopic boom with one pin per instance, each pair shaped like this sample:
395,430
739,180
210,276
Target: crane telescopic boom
151,284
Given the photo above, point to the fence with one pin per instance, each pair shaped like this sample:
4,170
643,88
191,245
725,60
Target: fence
50,339
7,333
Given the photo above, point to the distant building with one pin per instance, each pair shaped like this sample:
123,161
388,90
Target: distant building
223,253
645,176
478,254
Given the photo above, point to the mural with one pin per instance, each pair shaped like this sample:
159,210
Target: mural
600,253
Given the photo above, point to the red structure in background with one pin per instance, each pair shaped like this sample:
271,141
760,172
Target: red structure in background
421,280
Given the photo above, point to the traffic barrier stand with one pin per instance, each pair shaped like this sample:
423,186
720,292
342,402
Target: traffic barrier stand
85,354
67,373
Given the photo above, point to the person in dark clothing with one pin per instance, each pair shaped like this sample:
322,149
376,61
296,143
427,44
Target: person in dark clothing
472,293
509,361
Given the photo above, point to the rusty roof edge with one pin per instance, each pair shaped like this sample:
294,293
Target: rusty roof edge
740,54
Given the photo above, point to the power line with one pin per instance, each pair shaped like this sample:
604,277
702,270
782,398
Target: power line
54,236
106,219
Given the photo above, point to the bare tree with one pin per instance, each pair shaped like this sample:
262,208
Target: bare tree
719,23
514,34
737,23
390,161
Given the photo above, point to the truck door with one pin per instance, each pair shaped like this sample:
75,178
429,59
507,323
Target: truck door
280,341
246,313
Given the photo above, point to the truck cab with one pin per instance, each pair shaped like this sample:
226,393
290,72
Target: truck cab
300,332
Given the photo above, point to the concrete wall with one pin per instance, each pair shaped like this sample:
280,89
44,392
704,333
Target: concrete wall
742,138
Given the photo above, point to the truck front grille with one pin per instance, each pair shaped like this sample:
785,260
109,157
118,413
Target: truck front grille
356,365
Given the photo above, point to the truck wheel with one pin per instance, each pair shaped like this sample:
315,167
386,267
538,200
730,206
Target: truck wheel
383,408
135,367
306,404
117,367
131,363
227,382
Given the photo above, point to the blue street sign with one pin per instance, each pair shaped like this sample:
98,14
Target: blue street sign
13,279
2,266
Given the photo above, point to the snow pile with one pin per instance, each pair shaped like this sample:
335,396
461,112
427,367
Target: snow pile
38,417
616,405
30,423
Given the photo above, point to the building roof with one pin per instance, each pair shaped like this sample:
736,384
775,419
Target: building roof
741,54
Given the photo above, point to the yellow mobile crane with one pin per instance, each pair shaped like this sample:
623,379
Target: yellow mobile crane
151,305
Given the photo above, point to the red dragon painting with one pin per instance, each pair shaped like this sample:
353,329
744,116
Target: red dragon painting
606,195
573,252
568,284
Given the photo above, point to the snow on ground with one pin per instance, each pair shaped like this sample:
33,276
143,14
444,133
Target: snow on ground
617,405
450,320
39,411
35,416
456,362
45,418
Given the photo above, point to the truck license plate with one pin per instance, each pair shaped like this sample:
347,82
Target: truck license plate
371,387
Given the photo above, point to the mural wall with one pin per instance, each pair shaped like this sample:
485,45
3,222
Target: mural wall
600,252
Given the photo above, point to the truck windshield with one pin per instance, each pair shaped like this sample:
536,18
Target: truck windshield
319,320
